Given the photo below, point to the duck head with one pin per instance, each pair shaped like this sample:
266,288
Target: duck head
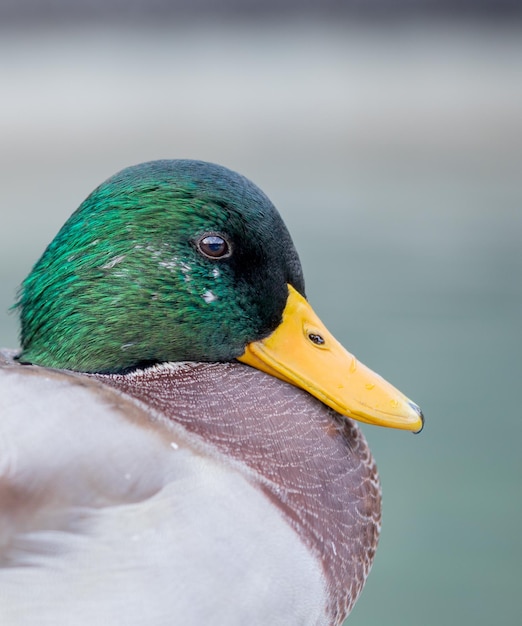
180,260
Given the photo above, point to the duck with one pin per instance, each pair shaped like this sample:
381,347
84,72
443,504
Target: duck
178,437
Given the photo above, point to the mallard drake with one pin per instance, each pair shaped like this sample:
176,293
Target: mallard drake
177,438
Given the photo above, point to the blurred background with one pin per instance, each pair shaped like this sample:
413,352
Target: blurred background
389,135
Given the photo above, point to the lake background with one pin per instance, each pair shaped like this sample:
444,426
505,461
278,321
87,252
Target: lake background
393,149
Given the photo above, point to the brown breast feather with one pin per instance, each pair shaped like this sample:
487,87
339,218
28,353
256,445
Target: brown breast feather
313,464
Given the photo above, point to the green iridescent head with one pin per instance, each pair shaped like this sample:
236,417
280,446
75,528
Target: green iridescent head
165,261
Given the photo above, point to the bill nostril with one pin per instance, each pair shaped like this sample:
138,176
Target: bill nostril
315,338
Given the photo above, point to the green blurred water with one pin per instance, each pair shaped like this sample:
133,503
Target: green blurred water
394,154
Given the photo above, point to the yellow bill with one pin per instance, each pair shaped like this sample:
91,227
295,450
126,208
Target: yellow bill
302,352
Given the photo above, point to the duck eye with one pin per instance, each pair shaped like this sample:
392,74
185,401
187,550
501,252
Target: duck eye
214,246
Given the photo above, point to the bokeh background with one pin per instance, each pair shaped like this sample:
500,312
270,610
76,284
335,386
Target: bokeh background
389,134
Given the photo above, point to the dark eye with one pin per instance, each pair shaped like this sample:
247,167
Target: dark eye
214,246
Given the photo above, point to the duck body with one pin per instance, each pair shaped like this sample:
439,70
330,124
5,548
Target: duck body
170,497
176,434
